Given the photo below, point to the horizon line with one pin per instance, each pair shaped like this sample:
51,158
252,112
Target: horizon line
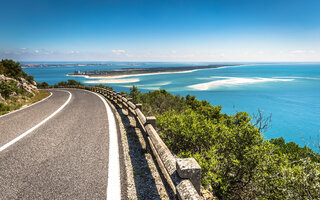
169,61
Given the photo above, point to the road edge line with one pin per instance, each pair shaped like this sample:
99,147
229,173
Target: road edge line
24,107
114,185
36,126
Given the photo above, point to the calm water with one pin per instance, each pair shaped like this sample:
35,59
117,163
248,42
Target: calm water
291,92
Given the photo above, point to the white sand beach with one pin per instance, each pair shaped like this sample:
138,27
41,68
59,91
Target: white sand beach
101,81
232,81
129,75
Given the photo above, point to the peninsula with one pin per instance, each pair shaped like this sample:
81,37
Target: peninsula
142,71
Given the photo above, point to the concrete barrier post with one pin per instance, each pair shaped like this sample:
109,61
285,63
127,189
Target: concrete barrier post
151,120
189,168
186,191
118,99
139,106
114,95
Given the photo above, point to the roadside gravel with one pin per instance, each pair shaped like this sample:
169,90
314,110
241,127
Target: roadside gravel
142,176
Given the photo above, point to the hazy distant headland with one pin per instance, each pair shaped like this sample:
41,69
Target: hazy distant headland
142,71
66,64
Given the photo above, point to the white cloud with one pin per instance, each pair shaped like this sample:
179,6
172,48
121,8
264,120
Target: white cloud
222,55
173,51
72,52
36,51
298,51
23,48
118,51
312,52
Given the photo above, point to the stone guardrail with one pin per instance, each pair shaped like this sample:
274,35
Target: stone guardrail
182,174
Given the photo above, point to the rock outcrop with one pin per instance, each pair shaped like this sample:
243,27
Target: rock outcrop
21,83
30,88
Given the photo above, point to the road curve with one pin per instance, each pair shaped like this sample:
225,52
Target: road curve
65,158
13,124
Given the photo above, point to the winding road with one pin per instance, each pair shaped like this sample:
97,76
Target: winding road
60,148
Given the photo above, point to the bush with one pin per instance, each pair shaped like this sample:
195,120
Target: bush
69,82
293,150
13,69
2,69
157,102
4,108
103,86
43,85
9,87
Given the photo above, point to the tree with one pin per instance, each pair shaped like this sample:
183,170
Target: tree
135,94
70,82
2,69
43,85
13,69
263,123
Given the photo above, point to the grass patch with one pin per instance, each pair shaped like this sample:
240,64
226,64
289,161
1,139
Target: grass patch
20,101
41,95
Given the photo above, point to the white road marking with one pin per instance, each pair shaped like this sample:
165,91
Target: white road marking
27,106
36,126
114,187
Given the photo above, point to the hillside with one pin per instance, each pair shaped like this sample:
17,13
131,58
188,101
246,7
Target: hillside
16,87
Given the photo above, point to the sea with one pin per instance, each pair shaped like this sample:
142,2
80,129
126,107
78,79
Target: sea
290,92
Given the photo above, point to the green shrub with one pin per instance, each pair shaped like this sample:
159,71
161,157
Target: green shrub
103,86
43,85
293,150
157,102
2,68
13,69
4,108
69,82
9,87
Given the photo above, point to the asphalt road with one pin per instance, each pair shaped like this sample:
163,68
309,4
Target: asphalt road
65,158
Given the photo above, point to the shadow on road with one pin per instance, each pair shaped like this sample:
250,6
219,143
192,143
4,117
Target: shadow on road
148,183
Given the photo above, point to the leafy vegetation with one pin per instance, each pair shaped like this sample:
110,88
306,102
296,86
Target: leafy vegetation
157,102
12,69
43,85
17,102
236,162
104,86
69,82
11,89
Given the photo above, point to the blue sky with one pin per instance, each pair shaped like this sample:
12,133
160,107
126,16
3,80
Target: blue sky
152,30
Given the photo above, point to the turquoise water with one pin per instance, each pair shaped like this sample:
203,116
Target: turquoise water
291,92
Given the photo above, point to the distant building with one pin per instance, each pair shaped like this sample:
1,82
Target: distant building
78,72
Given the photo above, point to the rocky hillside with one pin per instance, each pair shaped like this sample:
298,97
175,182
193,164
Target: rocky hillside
10,87
16,87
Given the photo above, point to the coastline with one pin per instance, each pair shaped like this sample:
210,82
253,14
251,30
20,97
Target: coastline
130,75
145,74
108,81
